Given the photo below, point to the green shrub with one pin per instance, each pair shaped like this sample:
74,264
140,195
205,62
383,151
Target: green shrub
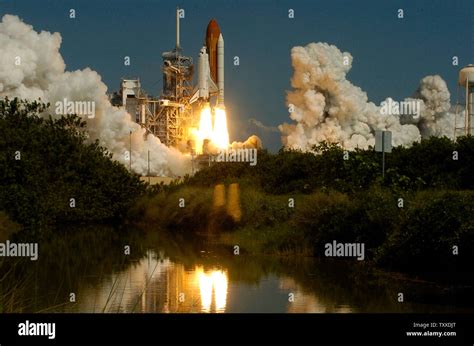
163,209
427,164
57,164
433,223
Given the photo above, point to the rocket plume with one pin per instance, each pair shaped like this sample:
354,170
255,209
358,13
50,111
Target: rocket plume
327,107
31,67
205,123
205,128
220,134
215,132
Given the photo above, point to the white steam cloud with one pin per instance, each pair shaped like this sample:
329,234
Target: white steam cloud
327,107
259,125
31,67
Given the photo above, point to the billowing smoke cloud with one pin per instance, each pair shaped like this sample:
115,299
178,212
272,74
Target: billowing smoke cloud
253,142
437,114
327,107
31,67
259,125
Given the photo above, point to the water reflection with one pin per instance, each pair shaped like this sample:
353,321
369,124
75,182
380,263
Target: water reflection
213,283
177,275
304,302
155,284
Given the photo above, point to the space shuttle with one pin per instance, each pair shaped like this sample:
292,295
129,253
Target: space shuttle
211,67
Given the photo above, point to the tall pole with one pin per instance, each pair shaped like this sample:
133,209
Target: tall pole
177,27
148,166
468,106
383,154
130,164
466,111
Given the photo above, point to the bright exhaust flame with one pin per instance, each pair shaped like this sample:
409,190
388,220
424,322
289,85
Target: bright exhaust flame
205,123
216,133
220,136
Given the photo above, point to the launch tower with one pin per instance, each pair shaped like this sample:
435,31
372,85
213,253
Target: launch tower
175,113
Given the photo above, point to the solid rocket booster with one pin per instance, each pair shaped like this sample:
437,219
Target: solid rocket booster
220,70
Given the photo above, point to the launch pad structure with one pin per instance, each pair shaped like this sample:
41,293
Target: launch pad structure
174,113
170,116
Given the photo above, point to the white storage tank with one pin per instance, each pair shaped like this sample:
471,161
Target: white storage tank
466,80
466,74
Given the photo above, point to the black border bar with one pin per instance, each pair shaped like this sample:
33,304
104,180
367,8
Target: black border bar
238,329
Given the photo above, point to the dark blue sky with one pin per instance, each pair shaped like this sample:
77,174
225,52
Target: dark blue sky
390,55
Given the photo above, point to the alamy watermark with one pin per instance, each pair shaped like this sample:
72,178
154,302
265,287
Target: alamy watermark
37,329
237,155
336,249
82,108
403,108
9,249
